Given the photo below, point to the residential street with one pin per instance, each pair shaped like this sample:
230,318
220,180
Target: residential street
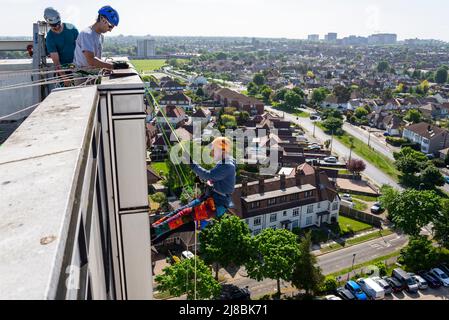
373,173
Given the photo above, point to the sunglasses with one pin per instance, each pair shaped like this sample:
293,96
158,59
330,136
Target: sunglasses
110,26
55,25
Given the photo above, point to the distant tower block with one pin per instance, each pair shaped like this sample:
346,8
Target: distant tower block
146,48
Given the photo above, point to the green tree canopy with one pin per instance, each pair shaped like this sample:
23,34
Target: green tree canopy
412,209
413,116
318,95
252,88
332,124
361,112
419,254
179,279
259,79
276,252
307,275
292,99
441,224
441,75
383,66
226,242
431,176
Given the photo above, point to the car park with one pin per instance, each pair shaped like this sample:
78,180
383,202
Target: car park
396,286
432,281
372,289
422,284
345,294
355,289
330,159
440,275
384,284
407,282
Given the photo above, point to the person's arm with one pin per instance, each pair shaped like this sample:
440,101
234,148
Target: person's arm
95,62
57,63
216,174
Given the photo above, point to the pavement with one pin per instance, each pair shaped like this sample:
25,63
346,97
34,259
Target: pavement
372,172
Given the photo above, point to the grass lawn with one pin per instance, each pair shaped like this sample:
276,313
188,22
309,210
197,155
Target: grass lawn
355,225
377,159
354,241
160,166
301,114
148,65
358,205
364,198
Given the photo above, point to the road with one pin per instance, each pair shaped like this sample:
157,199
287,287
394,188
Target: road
372,172
330,262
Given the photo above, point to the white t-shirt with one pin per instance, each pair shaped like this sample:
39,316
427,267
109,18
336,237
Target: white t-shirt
88,40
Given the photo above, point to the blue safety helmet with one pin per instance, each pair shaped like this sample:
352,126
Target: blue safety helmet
110,14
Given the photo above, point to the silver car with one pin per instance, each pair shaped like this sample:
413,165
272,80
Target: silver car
384,284
422,284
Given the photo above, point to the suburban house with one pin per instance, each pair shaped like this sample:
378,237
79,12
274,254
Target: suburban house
202,115
176,116
230,98
387,121
304,200
435,111
431,138
171,86
177,99
333,102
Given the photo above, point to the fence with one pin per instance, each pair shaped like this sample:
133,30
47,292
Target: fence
361,216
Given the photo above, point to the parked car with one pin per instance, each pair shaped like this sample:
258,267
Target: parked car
187,255
355,289
444,267
315,147
345,294
376,208
332,297
446,178
386,134
432,281
422,284
407,282
232,292
346,197
372,289
440,275
330,159
396,286
384,284
313,117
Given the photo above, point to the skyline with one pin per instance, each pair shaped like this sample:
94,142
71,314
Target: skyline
249,18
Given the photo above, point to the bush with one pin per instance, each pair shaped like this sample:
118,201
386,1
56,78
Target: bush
329,285
397,142
382,268
439,163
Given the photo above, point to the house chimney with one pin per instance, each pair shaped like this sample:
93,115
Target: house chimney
244,188
298,178
282,181
261,185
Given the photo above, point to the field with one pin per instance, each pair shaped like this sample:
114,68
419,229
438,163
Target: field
148,65
160,166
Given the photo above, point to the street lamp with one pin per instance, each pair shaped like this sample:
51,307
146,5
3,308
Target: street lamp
352,268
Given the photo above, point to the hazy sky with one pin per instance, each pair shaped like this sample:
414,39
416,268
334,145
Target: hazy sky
260,18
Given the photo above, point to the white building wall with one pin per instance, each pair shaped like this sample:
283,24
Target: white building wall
17,99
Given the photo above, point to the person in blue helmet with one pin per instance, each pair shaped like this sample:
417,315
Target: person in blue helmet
89,45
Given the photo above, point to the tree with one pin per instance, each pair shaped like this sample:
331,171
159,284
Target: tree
361,113
441,75
318,95
383,66
332,124
221,56
409,161
441,224
342,93
424,86
228,121
306,274
298,91
413,116
419,254
266,92
292,99
355,166
259,79
329,285
179,279
310,74
276,254
252,88
242,117
280,95
431,177
200,92
412,209
387,94
226,242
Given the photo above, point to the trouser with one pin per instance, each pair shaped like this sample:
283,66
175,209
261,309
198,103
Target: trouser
200,209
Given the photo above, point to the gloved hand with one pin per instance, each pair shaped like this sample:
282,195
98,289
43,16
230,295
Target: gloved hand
120,65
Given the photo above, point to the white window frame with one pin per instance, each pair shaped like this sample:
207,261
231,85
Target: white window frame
310,208
275,215
296,212
257,221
